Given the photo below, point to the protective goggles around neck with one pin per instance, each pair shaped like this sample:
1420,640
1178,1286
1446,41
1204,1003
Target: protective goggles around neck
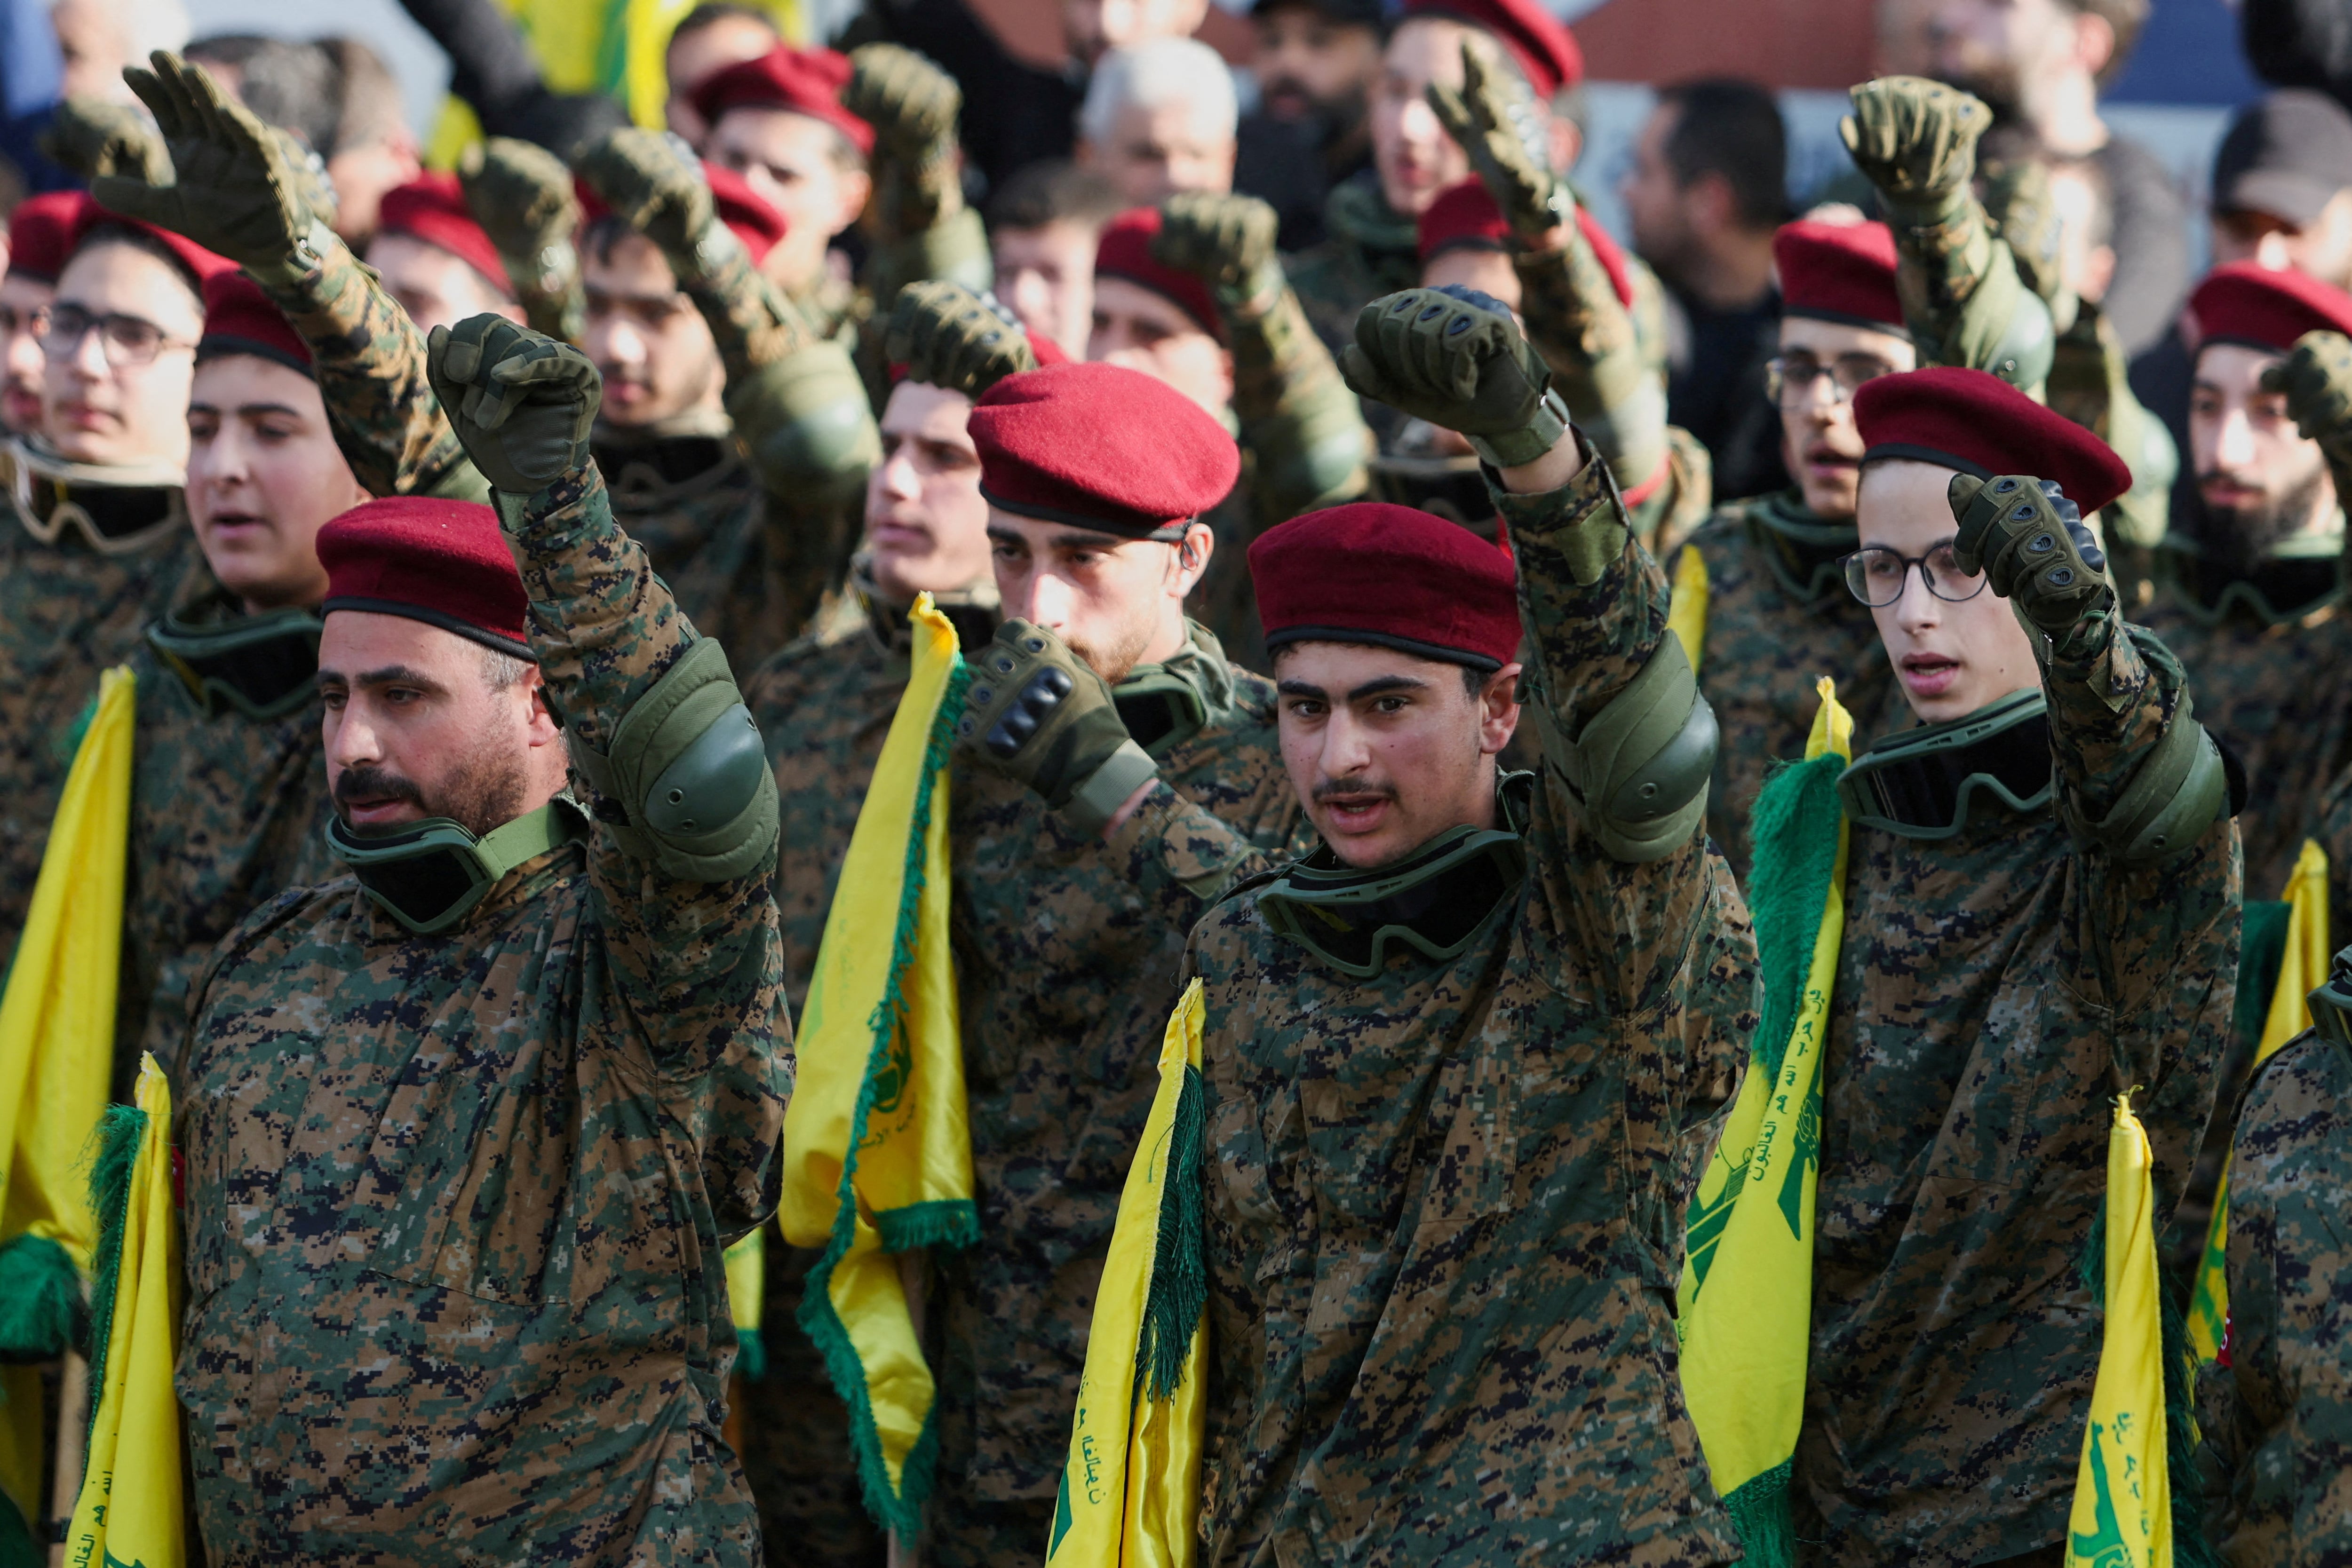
429,875
2283,589
116,511
1927,783
263,666
1432,904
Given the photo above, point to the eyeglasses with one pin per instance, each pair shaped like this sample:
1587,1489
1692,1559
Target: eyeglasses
12,320
127,340
1876,575
1790,382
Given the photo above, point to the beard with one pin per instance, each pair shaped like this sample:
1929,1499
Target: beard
2240,539
1116,659
485,790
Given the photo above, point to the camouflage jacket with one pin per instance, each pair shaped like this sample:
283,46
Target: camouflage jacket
1066,956
1995,991
1369,251
1444,1206
1778,617
2286,1437
454,1204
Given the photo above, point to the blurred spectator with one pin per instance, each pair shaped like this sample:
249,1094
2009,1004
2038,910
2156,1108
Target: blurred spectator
1159,118
494,71
778,121
1152,318
120,348
708,40
2300,43
98,38
292,86
1042,228
659,362
1901,39
2042,62
2087,227
1092,28
1706,192
374,150
1315,64
38,233
2282,186
435,259
30,70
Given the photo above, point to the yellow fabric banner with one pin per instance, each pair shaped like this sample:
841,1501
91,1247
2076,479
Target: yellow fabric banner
877,1152
1132,1486
129,1509
1686,610
2123,1497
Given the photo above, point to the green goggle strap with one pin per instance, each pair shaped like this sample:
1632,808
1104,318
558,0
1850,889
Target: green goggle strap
1306,904
481,862
2239,593
189,650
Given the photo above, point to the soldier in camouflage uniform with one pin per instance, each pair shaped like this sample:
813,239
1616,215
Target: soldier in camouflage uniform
2040,913
499,1331
1455,1055
2284,1434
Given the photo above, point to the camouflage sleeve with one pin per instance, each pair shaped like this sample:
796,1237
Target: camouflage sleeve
1180,854
1298,418
1587,335
369,357
2089,383
1964,303
952,246
750,318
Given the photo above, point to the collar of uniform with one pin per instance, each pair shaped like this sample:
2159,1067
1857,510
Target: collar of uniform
671,460
1361,216
2302,578
114,509
1804,550
971,610
1166,705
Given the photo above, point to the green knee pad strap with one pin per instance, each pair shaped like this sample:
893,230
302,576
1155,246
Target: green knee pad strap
1641,765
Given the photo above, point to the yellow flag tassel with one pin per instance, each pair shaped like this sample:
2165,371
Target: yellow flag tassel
2123,1494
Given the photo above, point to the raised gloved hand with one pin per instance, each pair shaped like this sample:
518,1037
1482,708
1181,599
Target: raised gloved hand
1228,242
98,137
521,402
947,336
913,107
1916,140
1037,712
236,188
1454,357
653,184
1493,119
522,194
2317,381
2031,541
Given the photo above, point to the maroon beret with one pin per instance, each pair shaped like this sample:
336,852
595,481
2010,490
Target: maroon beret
1981,424
200,263
442,562
1391,576
40,233
1124,250
1465,216
1545,49
1102,448
2244,303
805,81
432,207
240,319
1839,272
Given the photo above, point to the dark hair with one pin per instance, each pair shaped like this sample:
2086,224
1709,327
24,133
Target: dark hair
1731,128
2125,19
711,13
294,86
110,232
1052,191
369,106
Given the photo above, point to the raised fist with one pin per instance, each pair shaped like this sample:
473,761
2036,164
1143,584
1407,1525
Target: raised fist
1225,241
1916,140
947,336
2317,381
653,183
1454,357
522,194
521,402
2032,545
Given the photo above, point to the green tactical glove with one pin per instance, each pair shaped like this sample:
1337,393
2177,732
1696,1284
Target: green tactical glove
95,137
1454,357
2317,381
1038,713
913,107
522,194
1916,140
652,182
1228,242
1495,121
2025,535
521,403
236,189
947,336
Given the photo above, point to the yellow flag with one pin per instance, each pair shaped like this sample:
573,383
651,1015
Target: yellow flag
1687,613
1132,1486
2123,1497
130,1512
2303,969
747,1301
877,1152
1745,1307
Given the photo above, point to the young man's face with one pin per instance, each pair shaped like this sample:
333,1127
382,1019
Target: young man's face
1308,64
1145,331
646,338
1823,449
436,287
1047,275
264,475
1952,658
697,56
1153,153
362,176
1657,202
1117,602
103,400
796,162
2261,481
1414,157
415,728
1387,750
926,523
24,316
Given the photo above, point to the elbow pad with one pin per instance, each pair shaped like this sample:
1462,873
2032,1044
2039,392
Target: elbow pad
688,770
807,424
2179,792
1640,766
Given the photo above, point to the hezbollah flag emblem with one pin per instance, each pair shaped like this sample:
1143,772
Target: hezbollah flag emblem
1746,1297
2123,1498
1131,1485
877,1153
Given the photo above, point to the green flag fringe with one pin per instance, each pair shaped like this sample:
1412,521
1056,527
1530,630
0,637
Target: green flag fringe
1180,1258
110,1198
42,1314
955,1224
1760,1512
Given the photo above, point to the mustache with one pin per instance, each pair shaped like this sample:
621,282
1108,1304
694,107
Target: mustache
376,784
1331,788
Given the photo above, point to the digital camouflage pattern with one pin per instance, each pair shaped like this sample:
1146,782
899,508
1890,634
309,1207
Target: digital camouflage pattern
1446,1206
1995,991
456,1203
2285,1437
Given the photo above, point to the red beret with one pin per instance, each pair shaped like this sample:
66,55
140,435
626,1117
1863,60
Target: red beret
1391,576
805,81
1545,49
40,232
432,207
1102,448
2244,303
1981,424
442,562
199,261
240,319
1839,272
1125,251
1465,216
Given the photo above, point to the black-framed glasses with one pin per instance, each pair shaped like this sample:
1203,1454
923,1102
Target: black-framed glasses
126,340
1789,382
1876,575
35,321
